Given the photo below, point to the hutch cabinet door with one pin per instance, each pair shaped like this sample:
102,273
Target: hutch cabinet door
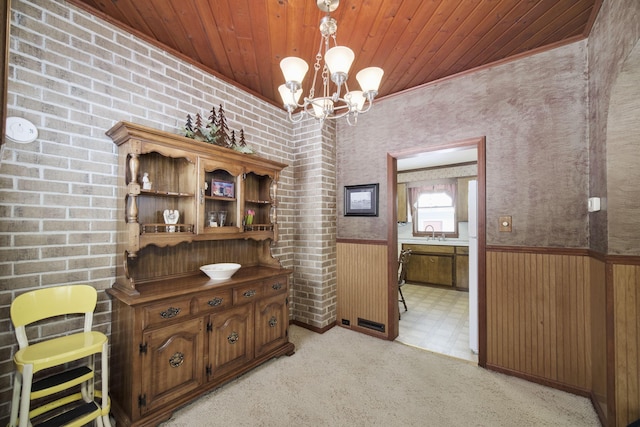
272,320
219,210
231,340
172,363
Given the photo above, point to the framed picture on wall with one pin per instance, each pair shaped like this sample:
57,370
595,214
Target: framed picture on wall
361,200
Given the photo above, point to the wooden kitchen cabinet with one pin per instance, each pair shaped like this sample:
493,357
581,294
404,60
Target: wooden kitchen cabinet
431,264
402,203
176,334
462,199
439,265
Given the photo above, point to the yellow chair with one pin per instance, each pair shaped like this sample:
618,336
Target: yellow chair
72,409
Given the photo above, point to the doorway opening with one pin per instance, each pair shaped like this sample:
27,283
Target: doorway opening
443,155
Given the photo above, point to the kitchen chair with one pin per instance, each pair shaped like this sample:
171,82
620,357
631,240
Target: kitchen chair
70,409
403,259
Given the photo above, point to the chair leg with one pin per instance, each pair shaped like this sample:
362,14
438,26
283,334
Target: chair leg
402,300
25,401
15,401
105,404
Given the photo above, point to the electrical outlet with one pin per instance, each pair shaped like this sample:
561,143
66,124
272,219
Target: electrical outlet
505,224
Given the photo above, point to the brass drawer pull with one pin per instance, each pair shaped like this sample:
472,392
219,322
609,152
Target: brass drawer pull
169,313
233,338
176,360
276,286
215,302
249,293
273,321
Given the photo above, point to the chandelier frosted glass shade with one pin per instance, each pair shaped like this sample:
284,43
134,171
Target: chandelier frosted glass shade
330,103
339,60
370,79
322,107
294,69
357,99
288,96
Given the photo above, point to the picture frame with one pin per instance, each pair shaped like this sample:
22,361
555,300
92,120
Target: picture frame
361,200
223,189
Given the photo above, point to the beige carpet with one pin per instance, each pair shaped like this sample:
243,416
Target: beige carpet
344,378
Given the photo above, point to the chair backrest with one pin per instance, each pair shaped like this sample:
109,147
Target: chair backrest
50,302
403,259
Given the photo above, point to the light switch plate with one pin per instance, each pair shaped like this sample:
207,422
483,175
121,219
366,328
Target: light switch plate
505,224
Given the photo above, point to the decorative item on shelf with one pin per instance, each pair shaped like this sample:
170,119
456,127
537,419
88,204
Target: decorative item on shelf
196,131
222,189
211,129
222,130
215,132
198,128
146,182
337,61
249,218
242,145
242,142
222,217
221,270
188,128
171,217
213,219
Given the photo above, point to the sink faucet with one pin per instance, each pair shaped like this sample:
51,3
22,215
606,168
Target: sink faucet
433,231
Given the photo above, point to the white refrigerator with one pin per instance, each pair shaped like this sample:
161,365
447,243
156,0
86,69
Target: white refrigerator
473,266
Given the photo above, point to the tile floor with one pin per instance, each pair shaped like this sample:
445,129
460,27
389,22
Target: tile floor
437,320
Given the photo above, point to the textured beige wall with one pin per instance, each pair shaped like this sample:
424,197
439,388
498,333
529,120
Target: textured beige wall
623,159
533,114
612,38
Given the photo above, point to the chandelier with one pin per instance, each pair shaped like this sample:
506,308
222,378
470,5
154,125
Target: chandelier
337,61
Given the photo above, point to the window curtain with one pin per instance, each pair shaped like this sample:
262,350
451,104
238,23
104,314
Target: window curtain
447,188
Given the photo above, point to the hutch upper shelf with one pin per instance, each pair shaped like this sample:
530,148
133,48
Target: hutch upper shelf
174,189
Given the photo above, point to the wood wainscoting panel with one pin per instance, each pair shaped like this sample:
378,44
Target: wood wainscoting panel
597,281
362,286
626,315
538,316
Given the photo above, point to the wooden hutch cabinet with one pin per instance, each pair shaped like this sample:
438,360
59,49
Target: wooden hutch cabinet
176,334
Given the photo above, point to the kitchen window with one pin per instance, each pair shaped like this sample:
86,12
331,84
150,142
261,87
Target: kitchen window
433,209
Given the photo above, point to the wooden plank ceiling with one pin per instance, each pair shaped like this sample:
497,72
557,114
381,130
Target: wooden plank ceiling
414,41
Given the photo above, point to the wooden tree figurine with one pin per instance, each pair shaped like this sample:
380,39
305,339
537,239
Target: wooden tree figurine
210,129
242,142
188,127
222,131
232,142
198,128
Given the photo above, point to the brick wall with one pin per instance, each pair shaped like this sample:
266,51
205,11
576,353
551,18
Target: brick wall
75,76
315,225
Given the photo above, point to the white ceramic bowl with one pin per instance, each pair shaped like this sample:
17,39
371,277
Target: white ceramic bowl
221,270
